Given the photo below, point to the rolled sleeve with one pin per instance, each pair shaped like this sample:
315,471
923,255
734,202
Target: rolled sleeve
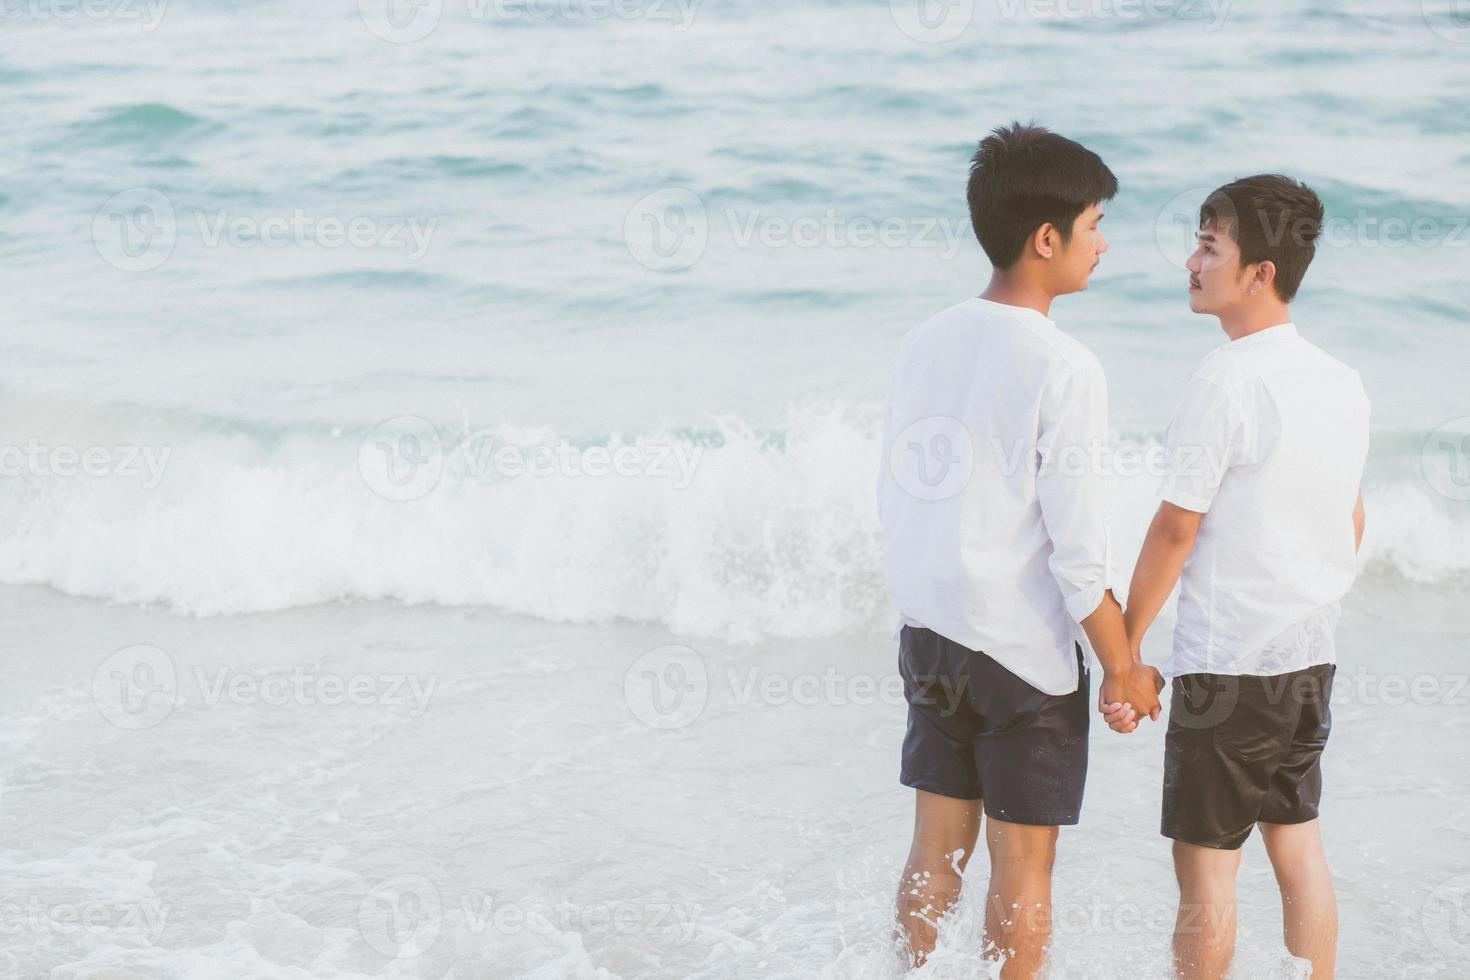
1204,440
1071,485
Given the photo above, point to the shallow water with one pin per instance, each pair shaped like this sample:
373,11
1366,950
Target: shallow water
292,287
374,791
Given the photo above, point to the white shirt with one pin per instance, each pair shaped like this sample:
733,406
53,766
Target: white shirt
1269,444
992,496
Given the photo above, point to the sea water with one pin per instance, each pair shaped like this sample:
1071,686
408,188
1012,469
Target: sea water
521,365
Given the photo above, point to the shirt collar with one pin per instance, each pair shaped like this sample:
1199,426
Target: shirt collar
1024,312
1281,331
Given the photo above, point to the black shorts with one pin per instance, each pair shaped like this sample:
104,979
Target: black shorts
978,732
1244,749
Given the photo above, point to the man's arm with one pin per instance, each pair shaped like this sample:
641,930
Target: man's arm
1170,539
1205,438
1168,543
1360,520
1074,509
1130,689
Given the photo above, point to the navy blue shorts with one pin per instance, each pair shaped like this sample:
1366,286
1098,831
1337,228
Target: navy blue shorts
978,732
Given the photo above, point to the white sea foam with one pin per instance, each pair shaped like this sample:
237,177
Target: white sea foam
726,532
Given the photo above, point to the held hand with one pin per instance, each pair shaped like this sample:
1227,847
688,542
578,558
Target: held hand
1126,699
1120,717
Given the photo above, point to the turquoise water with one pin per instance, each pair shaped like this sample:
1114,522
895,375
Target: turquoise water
579,324
253,233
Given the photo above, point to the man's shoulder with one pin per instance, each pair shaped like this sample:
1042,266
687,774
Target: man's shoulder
1323,361
1025,338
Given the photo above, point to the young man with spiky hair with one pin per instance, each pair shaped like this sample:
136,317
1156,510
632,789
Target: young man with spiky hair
996,551
1261,520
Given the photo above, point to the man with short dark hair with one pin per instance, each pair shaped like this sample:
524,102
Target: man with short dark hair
1260,523
997,555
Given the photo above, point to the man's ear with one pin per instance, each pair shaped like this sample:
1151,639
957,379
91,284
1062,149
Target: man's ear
1045,240
1266,274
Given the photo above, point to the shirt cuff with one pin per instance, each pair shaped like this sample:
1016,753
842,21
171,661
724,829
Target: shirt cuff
1084,603
1179,497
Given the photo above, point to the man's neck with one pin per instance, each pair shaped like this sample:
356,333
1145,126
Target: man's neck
1243,323
1011,290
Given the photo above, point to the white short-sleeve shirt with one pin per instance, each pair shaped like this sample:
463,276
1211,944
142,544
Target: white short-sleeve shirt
1269,444
992,496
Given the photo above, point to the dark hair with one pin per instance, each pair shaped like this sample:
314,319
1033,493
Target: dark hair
1270,216
1023,177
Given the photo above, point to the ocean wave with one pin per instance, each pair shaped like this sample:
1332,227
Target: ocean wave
143,121
722,531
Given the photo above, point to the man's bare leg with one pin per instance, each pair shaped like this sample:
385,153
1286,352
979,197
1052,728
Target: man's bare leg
1204,932
945,831
1018,903
1308,904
